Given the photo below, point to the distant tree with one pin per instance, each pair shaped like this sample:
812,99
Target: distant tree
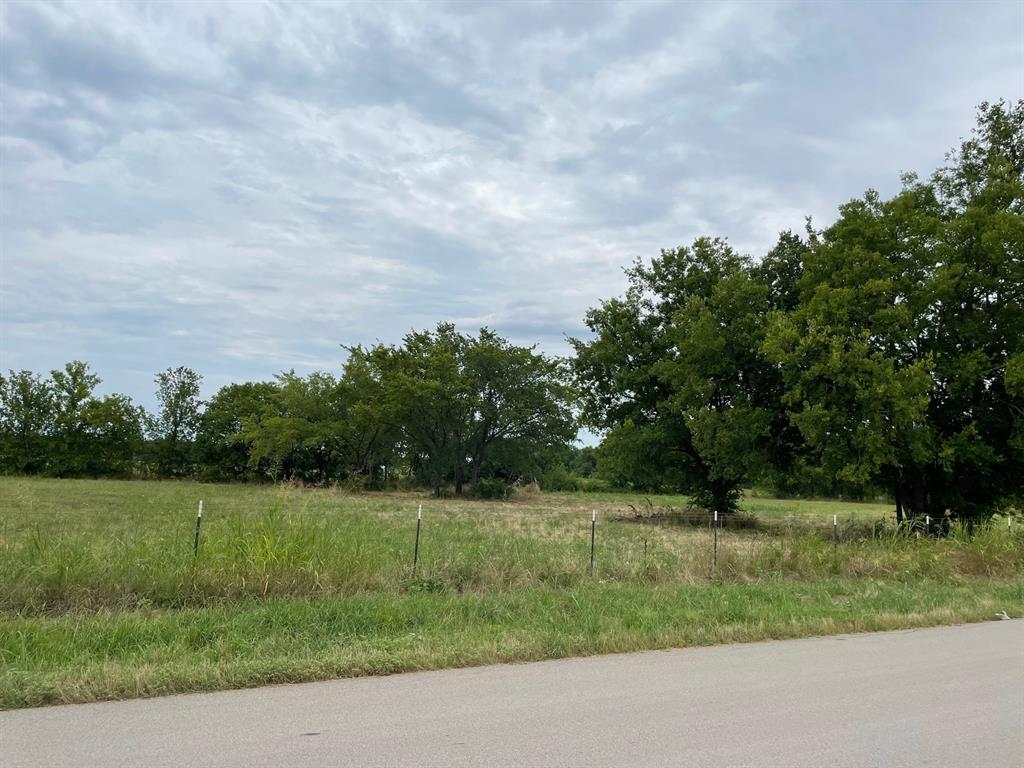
465,406
72,391
319,429
370,441
296,434
582,462
904,361
425,394
26,422
640,458
114,433
520,401
222,450
177,420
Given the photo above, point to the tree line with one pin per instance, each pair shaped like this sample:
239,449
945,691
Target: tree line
441,407
884,352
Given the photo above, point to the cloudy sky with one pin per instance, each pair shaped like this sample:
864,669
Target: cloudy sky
240,188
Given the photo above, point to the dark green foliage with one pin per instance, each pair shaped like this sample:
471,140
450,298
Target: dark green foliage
902,361
886,350
114,436
55,426
571,472
176,423
491,488
442,407
581,462
676,375
223,452
469,407
318,429
558,478
26,422
72,391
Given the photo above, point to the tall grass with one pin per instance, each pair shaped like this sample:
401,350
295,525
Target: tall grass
102,596
122,546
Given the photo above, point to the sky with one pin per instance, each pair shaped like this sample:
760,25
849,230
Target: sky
242,188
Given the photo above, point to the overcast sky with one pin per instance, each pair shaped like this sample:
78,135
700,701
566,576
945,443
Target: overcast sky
240,188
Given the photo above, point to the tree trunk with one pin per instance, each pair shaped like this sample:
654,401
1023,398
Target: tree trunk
458,479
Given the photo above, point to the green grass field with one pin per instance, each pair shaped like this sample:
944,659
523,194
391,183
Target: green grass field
101,596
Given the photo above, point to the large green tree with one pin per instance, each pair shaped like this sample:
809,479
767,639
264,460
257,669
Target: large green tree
222,450
72,392
114,430
425,395
904,361
520,409
176,422
675,375
296,434
26,422
56,426
319,428
468,406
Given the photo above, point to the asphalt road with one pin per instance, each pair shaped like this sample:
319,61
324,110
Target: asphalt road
945,697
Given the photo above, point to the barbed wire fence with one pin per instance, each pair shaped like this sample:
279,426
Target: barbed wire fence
724,530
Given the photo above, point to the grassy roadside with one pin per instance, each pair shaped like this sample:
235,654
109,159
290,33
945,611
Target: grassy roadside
101,596
123,655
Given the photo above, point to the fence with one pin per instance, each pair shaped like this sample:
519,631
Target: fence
851,530
132,556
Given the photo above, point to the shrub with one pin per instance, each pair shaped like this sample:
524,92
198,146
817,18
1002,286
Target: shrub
561,479
593,485
491,488
558,478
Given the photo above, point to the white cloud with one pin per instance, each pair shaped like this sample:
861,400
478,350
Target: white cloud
241,188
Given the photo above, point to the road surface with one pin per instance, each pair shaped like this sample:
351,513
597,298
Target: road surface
950,696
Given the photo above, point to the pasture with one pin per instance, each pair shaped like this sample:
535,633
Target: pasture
102,594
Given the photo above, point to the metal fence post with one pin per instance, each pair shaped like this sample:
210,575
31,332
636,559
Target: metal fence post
416,549
714,550
593,538
199,522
